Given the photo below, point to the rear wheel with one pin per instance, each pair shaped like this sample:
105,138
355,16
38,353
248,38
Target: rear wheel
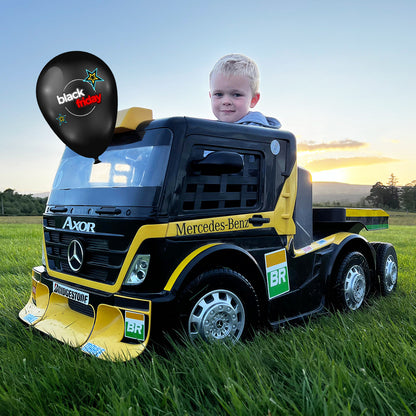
351,282
219,305
387,268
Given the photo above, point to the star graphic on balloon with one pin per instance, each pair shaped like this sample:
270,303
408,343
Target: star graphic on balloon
62,119
92,77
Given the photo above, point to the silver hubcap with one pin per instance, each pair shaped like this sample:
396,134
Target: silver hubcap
390,273
218,315
355,286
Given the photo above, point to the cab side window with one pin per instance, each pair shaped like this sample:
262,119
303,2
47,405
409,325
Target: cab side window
208,191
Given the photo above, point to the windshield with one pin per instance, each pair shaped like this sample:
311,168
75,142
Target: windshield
129,165
130,173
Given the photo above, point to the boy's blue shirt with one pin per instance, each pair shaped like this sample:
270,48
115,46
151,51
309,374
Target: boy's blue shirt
258,119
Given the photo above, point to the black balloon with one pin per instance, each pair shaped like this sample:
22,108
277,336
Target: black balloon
77,95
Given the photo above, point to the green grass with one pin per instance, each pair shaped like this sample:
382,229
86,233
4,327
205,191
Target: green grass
21,220
361,363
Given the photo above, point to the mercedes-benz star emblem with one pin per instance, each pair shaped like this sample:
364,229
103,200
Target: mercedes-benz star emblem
75,255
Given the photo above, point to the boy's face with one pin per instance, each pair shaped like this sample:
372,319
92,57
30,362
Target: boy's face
231,97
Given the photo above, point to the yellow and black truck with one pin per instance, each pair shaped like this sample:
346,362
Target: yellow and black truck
194,224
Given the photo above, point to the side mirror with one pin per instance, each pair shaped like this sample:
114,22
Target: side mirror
218,163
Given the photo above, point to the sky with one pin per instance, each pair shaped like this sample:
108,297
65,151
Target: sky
340,75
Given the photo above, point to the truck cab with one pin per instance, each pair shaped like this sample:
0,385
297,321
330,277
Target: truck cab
194,224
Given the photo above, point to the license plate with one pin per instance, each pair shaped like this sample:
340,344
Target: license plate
71,293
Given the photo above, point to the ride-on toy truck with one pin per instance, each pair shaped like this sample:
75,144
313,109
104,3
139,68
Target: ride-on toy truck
194,224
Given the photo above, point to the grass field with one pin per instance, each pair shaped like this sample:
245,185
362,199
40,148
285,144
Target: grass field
402,218
21,220
361,363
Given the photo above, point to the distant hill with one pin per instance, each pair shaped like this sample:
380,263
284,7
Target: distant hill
41,195
343,193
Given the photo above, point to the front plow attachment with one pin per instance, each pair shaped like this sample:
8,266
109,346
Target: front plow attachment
107,332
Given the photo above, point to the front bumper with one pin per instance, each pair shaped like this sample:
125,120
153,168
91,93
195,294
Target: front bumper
112,327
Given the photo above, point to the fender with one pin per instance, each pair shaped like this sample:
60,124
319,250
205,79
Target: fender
198,256
348,243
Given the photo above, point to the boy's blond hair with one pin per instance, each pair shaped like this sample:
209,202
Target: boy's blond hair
237,64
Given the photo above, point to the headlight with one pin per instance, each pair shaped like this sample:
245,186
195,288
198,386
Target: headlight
138,270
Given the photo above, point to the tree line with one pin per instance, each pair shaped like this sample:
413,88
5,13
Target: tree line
13,203
391,196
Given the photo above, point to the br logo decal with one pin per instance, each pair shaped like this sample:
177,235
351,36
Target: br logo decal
134,326
277,273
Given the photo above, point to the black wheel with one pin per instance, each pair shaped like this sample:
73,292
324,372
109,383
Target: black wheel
219,305
386,268
351,282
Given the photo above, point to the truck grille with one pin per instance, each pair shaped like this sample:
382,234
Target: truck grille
103,253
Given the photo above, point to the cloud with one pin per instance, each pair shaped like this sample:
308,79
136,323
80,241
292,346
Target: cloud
345,162
347,144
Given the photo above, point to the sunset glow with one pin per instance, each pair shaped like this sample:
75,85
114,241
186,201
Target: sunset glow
335,175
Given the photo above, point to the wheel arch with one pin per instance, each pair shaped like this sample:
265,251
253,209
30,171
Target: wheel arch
353,242
224,256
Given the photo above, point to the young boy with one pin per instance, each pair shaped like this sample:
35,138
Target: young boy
234,89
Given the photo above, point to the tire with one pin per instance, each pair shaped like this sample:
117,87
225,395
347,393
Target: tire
351,282
219,305
386,268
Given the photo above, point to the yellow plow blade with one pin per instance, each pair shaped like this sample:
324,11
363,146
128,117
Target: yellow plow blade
108,339
109,332
65,324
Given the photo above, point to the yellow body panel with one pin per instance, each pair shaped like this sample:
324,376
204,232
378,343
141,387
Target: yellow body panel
337,239
283,213
130,118
365,212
